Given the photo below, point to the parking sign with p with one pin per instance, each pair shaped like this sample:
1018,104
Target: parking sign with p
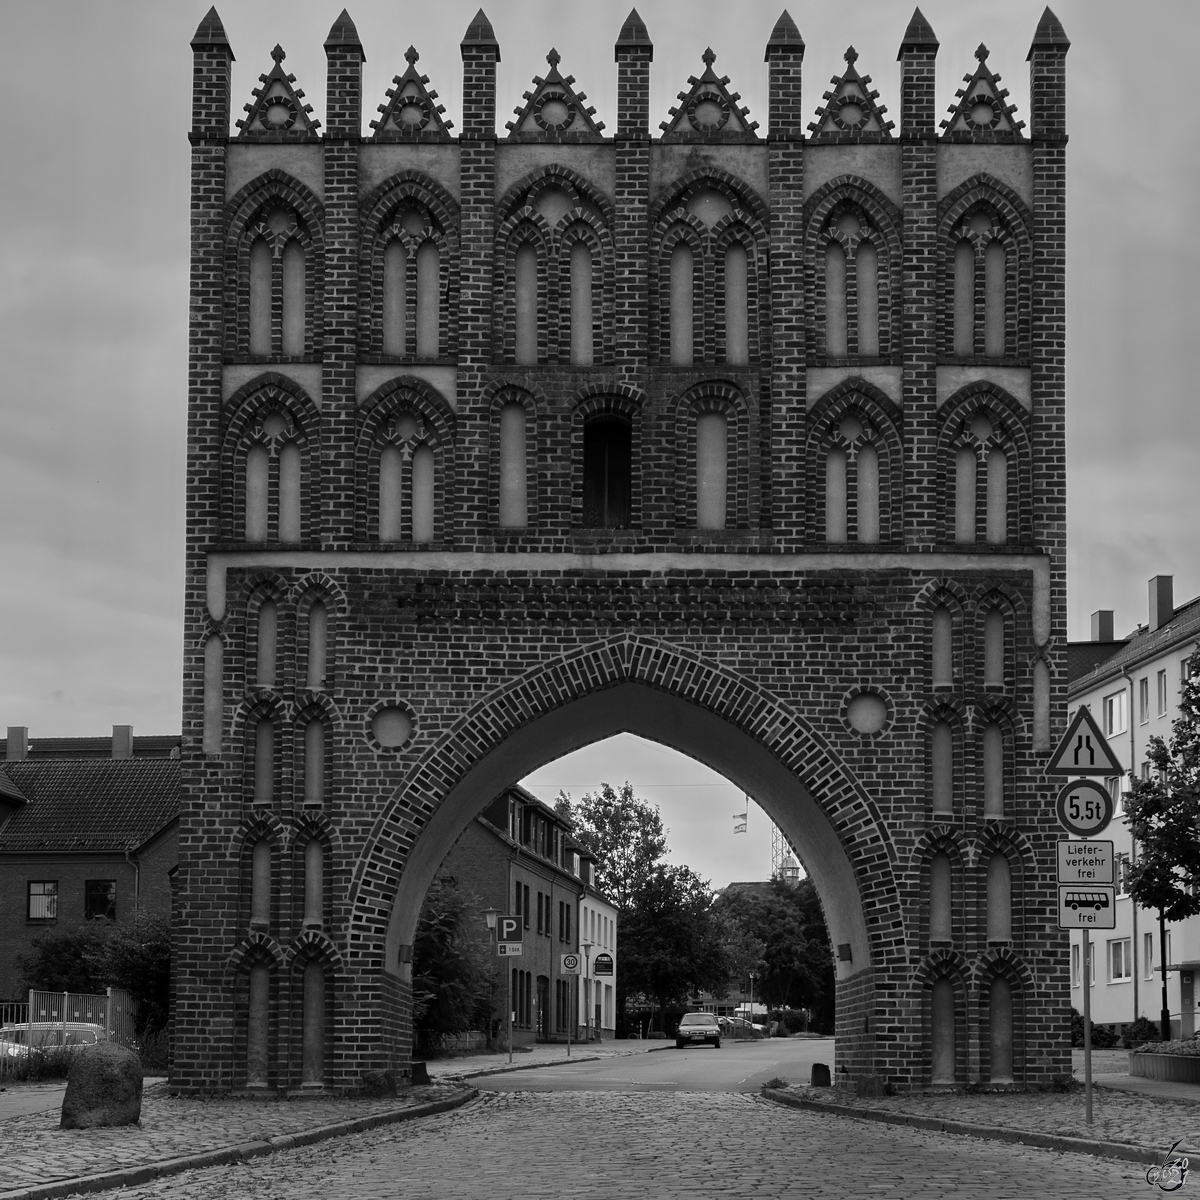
508,935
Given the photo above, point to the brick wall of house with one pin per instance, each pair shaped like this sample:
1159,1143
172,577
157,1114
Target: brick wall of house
484,636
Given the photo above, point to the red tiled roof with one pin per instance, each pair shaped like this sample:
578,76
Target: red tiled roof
9,789
90,804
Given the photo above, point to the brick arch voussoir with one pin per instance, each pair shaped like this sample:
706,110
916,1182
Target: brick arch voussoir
943,963
999,961
313,945
583,672
395,395
984,394
527,393
861,192
681,190
1005,839
255,826
255,947
984,188
316,824
318,585
999,594
552,175
262,393
856,393
379,205
936,592
255,707
275,184
598,398
941,838
257,587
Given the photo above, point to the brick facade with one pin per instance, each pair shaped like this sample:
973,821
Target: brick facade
794,658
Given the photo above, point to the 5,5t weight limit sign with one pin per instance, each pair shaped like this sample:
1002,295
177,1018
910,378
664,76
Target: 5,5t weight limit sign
1084,807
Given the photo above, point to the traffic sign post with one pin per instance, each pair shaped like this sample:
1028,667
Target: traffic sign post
569,965
1086,895
509,932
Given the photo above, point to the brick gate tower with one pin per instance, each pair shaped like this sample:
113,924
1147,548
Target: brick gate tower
749,441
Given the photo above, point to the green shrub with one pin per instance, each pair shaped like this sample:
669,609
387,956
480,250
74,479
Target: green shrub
1139,1031
1189,1046
1103,1036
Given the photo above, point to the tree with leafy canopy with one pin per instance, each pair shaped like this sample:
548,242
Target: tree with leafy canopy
455,977
671,946
1163,815
795,968
624,833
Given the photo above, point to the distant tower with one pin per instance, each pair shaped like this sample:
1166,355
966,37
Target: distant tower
784,864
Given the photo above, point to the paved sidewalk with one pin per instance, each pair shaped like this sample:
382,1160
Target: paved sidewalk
444,1069
35,1151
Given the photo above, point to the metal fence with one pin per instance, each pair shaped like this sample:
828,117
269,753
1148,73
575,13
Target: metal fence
65,1019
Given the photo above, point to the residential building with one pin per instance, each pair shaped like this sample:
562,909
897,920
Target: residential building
1131,686
88,830
518,857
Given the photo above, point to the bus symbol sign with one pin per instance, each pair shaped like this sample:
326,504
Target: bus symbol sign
1087,906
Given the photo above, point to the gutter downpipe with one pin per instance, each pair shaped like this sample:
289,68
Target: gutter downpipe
1133,907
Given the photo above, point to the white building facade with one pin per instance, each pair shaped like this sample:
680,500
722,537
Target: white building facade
598,944
1132,687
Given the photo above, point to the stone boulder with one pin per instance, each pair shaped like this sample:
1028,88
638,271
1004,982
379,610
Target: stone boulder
104,1087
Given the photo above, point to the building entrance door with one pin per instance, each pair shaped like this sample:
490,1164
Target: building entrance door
543,1008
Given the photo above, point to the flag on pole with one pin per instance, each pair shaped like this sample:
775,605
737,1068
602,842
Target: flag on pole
741,817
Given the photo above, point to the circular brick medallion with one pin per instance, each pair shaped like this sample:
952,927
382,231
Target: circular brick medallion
867,712
391,727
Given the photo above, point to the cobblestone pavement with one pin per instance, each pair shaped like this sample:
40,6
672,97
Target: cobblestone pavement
660,1145
1118,1116
33,1149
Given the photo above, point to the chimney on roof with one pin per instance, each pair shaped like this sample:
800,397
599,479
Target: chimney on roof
18,743
1162,603
1102,625
122,742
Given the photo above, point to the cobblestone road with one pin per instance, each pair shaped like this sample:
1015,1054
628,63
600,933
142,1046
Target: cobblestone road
651,1146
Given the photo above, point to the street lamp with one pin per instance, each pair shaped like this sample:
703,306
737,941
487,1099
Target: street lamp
490,915
586,947
751,973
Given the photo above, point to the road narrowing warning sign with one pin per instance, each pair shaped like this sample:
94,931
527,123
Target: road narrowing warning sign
1083,750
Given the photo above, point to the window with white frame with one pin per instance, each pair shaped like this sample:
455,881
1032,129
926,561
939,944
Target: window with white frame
1144,700
1162,693
1120,966
1076,950
1148,956
43,900
1116,713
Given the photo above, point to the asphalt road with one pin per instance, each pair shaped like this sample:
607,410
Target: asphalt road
735,1067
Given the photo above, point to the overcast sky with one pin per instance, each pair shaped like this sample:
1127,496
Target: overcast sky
94,112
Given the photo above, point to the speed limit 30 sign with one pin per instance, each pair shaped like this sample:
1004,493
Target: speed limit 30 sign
1084,807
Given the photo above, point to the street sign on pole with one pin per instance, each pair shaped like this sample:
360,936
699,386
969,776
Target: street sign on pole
1084,807
1082,861
1083,750
509,932
1087,906
569,964
603,965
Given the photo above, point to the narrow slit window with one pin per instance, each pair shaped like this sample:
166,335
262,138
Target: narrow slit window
943,1033
314,762
260,883
428,299
943,647
868,494
258,488
997,496
1041,706
581,305
264,761
289,493
526,306
312,1039
941,921
318,644
994,270
395,308
964,494
999,899
737,320
964,298
942,769
293,299
391,483
214,693
314,883
993,771
835,300
682,288
260,297
866,260
712,467
607,472
423,483
993,649
268,633
513,470
835,496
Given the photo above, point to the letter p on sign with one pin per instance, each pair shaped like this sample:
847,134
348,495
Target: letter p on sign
508,929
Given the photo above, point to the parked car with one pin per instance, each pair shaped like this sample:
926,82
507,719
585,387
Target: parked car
739,1027
19,1041
698,1027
